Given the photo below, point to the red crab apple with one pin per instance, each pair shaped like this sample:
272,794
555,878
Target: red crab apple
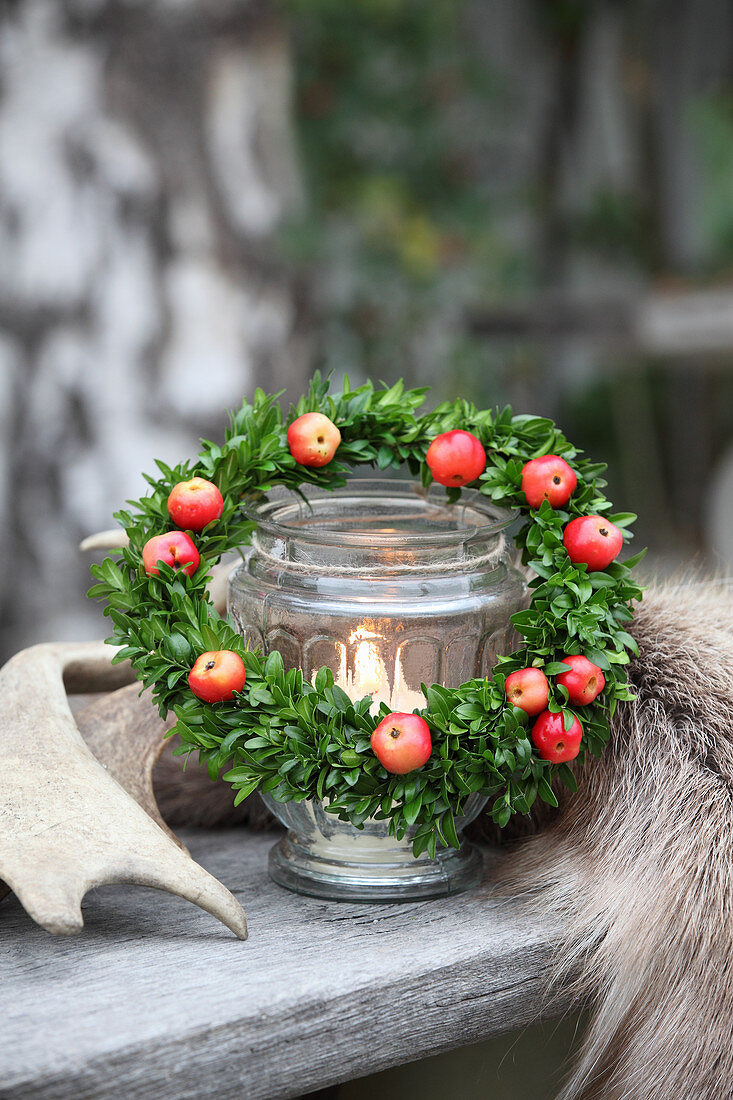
313,439
455,458
174,548
217,675
548,478
584,682
402,742
592,540
527,689
552,741
195,503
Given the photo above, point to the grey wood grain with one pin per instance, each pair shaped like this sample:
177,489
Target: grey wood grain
143,1005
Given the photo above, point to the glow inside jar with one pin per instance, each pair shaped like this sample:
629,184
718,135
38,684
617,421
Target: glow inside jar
384,583
391,588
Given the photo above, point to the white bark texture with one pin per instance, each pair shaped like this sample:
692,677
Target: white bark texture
146,158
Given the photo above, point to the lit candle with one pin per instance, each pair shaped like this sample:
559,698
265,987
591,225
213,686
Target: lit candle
366,669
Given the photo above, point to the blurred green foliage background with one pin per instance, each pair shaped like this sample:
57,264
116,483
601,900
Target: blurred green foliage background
403,231
493,192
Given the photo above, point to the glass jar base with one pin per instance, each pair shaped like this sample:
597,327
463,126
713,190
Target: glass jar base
299,869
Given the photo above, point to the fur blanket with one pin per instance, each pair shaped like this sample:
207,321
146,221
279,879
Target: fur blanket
644,871
643,875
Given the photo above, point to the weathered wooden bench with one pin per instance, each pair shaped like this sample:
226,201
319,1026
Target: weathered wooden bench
156,998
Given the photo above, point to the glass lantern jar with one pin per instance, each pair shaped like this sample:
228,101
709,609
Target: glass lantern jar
391,587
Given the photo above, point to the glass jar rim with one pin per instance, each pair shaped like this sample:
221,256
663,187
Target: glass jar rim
262,512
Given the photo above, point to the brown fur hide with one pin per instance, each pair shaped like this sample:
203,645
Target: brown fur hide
639,862
640,865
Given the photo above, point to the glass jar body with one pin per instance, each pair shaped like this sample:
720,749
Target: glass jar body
391,588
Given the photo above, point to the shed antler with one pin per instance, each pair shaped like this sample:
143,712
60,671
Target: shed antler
65,824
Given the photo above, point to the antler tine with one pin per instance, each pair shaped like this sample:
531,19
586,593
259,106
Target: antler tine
65,823
113,539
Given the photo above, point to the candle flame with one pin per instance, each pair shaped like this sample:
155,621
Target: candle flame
370,674
363,668
363,632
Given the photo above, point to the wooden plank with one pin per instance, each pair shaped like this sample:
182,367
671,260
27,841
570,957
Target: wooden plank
155,999
657,322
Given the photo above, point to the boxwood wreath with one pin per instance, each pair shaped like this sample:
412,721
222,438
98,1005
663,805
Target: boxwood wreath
299,740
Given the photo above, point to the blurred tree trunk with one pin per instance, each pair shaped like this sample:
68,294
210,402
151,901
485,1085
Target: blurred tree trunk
146,159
